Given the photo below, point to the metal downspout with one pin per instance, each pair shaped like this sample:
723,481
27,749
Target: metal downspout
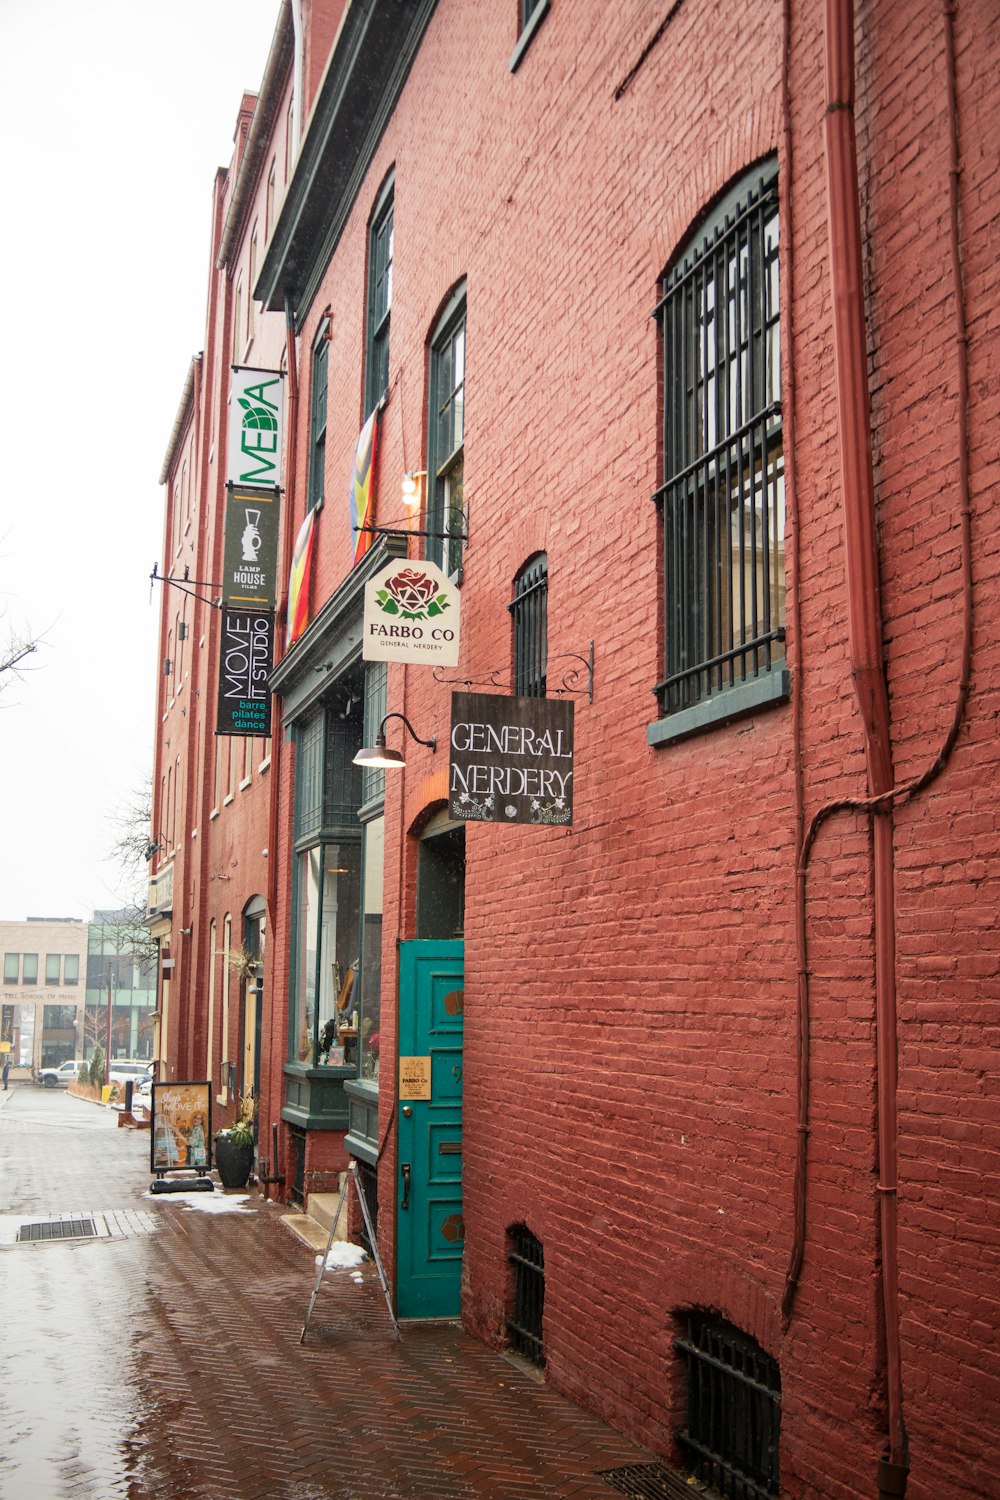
865,640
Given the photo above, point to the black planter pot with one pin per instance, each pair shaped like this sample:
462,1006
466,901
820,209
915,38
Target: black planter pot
233,1162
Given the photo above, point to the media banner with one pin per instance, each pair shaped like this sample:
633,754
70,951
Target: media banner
511,759
250,556
256,428
246,657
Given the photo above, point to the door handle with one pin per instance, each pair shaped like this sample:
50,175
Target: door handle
406,1185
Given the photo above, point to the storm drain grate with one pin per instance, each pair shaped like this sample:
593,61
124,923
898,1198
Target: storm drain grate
649,1482
60,1229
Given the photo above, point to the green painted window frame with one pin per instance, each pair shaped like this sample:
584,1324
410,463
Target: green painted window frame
12,968
446,438
533,13
318,401
53,968
379,310
722,495
29,968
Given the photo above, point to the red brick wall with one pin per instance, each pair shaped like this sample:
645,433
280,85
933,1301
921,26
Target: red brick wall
631,980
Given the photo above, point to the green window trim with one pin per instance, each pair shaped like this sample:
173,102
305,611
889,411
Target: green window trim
379,310
316,479
533,13
446,438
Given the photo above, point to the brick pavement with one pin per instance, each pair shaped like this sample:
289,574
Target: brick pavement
166,1361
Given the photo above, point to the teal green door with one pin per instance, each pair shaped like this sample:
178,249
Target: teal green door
430,1231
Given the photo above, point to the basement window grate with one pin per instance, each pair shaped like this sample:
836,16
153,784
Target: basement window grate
59,1229
730,1440
524,1325
649,1482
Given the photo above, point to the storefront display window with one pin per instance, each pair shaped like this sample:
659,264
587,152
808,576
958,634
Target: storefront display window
371,958
327,938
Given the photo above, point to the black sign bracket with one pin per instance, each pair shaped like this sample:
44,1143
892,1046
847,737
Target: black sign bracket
572,680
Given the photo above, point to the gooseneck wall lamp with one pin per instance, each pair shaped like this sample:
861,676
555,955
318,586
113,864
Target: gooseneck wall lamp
379,757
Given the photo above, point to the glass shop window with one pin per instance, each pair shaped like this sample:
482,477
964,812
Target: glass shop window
328,889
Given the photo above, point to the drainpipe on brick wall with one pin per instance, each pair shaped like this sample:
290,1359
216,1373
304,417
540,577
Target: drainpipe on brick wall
893,1478
865,642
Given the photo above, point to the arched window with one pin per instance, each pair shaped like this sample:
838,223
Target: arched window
723,496
529,616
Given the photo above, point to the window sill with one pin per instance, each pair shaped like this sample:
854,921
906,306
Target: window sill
245,783
762,692
525,39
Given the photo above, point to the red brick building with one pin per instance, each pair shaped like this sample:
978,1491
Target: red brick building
684,323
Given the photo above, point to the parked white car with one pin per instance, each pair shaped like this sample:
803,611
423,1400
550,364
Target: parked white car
127,1072
59,1077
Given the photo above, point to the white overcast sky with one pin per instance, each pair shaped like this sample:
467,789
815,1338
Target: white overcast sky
115,115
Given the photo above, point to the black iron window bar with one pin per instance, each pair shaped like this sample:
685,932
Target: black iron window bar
529,614
722,437
524,1326
572,680
731,1435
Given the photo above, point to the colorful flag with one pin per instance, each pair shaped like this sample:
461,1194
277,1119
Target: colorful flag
363,487
298,579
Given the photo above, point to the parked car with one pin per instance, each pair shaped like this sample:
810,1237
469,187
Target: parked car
122,1072
144,1087
59,1077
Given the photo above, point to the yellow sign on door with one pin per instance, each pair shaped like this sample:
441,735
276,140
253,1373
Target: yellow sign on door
414,1078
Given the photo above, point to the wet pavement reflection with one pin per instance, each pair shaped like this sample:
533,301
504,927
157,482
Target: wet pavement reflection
161,1358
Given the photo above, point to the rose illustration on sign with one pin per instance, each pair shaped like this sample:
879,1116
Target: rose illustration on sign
412,595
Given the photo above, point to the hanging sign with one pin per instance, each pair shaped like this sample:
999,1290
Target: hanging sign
412,615
244,706
511,759
250,557
255,428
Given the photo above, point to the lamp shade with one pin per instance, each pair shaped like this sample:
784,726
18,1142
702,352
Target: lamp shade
379,757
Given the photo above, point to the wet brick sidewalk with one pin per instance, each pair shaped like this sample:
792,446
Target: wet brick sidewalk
163,1359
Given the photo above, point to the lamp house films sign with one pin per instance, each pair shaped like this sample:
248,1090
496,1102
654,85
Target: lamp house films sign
250,558
411,614
255,428
244,672
511,759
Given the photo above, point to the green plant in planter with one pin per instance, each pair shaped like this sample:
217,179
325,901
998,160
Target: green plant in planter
240,1133
234,1145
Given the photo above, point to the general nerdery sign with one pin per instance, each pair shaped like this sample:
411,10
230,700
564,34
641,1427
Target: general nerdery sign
411,614
511,759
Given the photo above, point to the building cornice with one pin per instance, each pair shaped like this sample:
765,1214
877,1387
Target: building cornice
369,64
185,411
261,130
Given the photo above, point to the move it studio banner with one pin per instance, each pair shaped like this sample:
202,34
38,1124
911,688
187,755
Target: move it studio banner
256,428
246,658
510,759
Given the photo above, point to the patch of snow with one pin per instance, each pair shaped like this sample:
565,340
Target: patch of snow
212,1203
342,1256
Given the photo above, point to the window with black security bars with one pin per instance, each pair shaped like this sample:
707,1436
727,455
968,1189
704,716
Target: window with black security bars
368,1178
527,1294
731,1434
722,497
529,614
